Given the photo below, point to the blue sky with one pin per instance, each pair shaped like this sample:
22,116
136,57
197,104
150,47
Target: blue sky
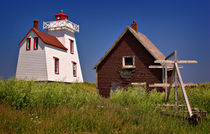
182,25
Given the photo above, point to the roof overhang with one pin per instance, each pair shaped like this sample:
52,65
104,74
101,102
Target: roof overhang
115,43
36,32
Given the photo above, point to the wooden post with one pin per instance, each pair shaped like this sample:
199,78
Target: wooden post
183,90
165,81
175,81
171,84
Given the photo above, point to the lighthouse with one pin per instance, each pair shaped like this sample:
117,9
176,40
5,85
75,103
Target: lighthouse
51,56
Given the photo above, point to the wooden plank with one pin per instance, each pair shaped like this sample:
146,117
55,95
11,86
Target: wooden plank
183,90
171,61
138,83
164,61
167,85
170,55
160,85
187,61
157,66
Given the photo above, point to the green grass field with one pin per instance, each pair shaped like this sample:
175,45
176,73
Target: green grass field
41,107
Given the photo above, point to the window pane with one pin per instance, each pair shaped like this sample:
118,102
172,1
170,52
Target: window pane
36,42
71,46
28,43
74,69
56,65
128,60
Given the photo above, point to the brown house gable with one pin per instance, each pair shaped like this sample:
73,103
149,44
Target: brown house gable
110,71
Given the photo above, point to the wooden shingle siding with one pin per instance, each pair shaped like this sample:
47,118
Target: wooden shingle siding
108,69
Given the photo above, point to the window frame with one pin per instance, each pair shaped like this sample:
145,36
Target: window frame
74,74
56,60
28,44
128,66
36,47
71,46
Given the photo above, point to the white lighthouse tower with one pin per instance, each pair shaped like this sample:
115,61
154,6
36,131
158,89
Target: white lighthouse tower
52,56
64,30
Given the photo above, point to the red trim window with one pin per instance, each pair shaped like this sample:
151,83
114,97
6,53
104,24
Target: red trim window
36,42
56,65
74,69
28,43
71,46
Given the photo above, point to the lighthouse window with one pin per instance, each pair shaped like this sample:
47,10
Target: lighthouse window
74,69
71,46
28,44
35,43
56,65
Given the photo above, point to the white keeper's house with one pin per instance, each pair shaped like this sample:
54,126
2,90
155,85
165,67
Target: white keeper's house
51,56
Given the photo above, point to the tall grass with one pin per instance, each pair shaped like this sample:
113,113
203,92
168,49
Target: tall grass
34,107
21,94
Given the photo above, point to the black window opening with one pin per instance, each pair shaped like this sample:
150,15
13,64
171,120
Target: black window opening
128,61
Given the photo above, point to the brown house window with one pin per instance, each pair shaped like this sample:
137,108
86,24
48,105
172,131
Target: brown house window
128,61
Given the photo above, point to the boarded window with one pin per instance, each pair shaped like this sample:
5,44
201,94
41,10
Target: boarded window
116,85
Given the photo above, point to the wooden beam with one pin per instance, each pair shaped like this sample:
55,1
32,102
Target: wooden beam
164,61
166,80
157,66
175,82
179,61
170,55
187,61
172,85
160,85
183,90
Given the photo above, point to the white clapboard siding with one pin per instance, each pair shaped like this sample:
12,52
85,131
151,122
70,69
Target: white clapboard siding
32,64
65,61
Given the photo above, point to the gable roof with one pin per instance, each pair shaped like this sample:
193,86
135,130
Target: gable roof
148,45
46,39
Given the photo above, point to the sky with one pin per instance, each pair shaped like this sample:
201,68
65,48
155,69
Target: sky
182,25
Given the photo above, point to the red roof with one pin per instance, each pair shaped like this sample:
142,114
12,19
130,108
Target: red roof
46,39
61,16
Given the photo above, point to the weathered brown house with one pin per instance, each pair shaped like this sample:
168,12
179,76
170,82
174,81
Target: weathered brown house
127,62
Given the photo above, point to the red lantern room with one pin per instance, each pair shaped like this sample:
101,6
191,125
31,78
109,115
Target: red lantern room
61,16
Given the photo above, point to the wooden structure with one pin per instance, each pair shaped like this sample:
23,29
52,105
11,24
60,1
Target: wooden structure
176,79
127,62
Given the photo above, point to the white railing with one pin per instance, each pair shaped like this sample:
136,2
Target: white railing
61,24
